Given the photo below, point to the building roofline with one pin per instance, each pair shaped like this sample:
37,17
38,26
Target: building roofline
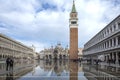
103,29
6,37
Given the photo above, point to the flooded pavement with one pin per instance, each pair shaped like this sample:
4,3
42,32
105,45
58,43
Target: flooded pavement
63,70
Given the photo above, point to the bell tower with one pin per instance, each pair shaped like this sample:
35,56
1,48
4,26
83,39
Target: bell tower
73,25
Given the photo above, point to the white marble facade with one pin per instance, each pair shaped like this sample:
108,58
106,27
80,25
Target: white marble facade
14,49
105,44
57,52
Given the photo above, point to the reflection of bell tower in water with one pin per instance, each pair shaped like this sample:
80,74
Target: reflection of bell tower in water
73,24
73,70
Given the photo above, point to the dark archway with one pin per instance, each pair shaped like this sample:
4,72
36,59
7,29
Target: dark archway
64,57
60,56
119,57
107,58
50,57
55,54
46,57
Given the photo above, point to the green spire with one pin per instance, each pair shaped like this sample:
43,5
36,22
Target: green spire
73,7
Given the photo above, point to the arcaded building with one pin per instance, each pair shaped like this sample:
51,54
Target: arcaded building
73,25
105,45
80,53
14,49
54,52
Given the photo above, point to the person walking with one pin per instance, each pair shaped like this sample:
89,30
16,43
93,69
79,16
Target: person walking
7,63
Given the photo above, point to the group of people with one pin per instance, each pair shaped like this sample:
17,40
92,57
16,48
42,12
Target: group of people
9,63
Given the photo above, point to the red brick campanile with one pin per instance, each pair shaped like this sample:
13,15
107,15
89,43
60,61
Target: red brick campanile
73,25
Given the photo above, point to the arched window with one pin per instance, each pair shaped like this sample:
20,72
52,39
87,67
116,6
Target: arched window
75,15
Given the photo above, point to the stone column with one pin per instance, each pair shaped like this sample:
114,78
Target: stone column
103,45
112,28
106,44
116,58
112,42
116,41
106,32
116,24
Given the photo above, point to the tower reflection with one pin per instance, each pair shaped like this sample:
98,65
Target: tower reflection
73,70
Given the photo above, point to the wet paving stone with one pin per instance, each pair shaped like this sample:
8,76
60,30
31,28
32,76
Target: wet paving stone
63,70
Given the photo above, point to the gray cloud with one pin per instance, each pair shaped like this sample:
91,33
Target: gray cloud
29,22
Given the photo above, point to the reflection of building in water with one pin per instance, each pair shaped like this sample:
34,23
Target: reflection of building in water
12,48
57,67
16,74
105,45
100,73
80,67
60,67
73,70
2,66
57,52
22,72
41,64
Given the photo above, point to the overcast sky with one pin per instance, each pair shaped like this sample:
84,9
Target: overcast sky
45,22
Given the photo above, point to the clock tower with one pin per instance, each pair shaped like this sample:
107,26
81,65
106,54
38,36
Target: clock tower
73,25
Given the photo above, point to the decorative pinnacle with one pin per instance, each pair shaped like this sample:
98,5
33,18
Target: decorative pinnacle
73,7
73,1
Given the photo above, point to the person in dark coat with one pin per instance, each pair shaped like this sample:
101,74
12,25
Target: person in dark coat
11,63
97,62
7,63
